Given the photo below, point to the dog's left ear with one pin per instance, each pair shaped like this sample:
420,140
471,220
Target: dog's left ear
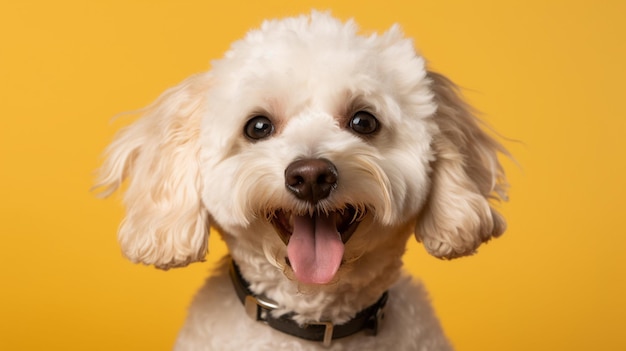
166,222
466,175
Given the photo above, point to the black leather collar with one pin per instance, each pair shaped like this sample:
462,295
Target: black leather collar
259,308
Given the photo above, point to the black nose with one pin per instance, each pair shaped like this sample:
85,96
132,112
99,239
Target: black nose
311,179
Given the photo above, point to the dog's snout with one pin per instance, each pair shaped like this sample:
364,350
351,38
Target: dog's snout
311,179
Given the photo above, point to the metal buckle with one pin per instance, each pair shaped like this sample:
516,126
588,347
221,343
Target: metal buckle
328,332
258,307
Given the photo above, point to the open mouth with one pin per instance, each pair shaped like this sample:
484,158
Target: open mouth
345,220
315,242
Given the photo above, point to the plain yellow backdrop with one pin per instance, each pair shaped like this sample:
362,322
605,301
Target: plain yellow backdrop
550,74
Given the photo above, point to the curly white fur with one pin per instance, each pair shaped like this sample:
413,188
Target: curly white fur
429,169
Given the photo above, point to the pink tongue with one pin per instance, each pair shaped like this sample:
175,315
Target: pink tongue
315,249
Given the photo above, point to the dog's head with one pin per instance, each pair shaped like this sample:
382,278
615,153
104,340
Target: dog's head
312,145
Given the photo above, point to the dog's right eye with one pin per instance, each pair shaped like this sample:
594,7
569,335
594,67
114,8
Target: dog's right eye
259,127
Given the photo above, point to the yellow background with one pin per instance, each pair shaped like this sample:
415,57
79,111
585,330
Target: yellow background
550,74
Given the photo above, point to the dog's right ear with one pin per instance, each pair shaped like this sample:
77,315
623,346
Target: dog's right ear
166,222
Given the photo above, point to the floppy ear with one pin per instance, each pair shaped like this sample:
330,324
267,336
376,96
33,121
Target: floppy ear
466,175
166,222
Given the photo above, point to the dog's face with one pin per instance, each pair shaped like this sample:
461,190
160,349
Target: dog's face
312,146
327,142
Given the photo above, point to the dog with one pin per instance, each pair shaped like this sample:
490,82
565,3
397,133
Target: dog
316,152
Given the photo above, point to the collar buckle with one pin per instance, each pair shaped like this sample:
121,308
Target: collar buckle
329,328
258,307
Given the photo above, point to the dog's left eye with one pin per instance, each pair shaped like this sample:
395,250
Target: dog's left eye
364,123
259,127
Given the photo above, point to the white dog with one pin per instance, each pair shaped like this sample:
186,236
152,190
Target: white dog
316,152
